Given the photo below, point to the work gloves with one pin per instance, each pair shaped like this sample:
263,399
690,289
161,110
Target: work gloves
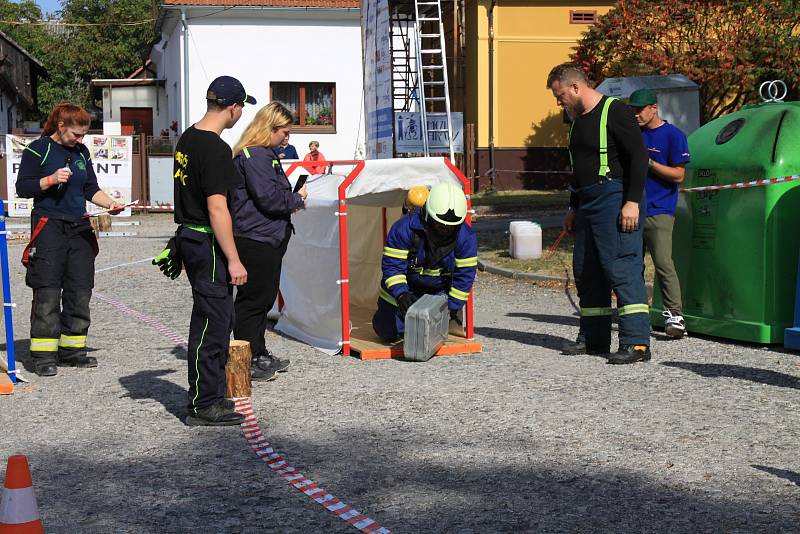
169,260
404,302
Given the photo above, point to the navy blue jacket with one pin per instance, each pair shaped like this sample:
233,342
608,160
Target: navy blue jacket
405,269
263,203
44,157
289,150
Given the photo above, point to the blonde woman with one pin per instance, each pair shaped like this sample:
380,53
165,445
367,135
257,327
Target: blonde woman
262,206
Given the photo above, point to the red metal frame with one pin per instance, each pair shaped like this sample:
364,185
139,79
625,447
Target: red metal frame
468,316
343,250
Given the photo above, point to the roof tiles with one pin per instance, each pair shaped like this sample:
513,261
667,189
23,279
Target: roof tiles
269,3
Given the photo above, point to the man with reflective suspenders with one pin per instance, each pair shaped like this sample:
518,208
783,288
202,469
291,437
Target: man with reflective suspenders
609,164
203,177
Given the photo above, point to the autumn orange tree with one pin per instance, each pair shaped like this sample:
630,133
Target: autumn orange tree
727,47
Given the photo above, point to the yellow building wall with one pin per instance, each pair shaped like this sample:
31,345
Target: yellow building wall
530,38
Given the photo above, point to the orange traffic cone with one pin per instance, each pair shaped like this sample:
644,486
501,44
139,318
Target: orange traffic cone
6,385
18,511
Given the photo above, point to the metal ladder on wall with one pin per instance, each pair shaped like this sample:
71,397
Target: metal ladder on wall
405,79
434,91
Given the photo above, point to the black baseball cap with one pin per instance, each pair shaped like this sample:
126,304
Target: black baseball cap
227,90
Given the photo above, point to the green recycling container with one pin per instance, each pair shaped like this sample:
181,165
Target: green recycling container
736,250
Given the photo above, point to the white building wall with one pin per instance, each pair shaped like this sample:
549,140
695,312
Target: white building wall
115,98
258,49
167,56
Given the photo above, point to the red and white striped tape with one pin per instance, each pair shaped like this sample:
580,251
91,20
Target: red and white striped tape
742,185
277,462
258,442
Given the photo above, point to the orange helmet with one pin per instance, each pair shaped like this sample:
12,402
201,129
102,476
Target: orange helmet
417,196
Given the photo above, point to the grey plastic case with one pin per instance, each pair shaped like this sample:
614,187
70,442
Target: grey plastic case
427,324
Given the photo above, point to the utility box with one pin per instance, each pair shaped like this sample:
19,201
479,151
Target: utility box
678,96
736,249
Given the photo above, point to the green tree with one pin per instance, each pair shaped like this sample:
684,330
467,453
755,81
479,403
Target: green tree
95,40
102,44
25,34
727,47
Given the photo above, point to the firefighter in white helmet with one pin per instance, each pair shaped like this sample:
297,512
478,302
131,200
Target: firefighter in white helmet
428,251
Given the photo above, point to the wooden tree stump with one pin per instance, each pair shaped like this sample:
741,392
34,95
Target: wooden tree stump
104,223
237,370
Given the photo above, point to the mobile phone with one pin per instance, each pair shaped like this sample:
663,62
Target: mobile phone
300,182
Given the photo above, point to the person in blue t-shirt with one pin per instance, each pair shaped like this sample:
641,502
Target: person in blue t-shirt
285,150
669,152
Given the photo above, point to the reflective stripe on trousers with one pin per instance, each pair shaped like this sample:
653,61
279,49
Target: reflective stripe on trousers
606,259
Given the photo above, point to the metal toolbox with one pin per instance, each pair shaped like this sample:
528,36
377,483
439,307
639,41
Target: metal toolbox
427,324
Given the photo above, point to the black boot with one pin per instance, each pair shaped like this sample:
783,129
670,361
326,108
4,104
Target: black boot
45,368
77,360
573,348
215,415
631,354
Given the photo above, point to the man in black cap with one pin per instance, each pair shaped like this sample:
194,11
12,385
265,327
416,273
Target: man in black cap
204,174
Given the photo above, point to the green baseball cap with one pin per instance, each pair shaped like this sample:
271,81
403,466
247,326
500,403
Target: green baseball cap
641,98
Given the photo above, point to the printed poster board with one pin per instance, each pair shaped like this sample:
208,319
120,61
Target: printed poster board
408,128
112,159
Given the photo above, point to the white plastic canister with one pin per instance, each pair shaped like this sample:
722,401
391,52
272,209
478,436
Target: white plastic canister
527,241
511,232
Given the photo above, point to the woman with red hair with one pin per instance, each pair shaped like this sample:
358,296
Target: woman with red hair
56,172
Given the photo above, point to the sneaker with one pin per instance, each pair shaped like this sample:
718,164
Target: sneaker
674,326
79,360
281,365
262,371
574,348
228,404
45,368
630,354
215,415
269,360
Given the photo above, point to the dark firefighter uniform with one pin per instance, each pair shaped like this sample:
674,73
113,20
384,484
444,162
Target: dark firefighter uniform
412,263
60,256
609,165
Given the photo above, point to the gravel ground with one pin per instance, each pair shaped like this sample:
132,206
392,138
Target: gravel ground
516,439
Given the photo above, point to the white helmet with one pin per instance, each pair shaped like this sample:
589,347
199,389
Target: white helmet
447,204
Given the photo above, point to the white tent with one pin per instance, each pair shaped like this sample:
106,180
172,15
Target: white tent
311,280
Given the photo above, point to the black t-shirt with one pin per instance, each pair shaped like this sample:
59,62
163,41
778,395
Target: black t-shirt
627,155
203,167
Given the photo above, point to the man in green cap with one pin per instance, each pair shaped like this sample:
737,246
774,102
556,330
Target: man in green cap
668,150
